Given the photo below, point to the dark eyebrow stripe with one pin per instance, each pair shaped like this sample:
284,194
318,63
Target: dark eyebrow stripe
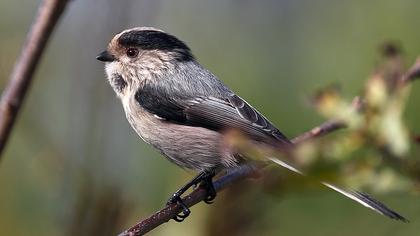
151,39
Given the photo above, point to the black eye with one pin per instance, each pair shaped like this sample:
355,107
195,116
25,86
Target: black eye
132,52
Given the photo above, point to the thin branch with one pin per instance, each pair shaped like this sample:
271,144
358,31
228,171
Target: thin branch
328,126
19,81
413,73
240,173
325,128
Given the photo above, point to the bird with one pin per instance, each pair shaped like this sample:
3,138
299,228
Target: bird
183,110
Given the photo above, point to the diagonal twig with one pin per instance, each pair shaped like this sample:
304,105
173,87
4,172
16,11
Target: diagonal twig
20,79
413,73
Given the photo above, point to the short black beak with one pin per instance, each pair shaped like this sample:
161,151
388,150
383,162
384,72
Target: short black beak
105,56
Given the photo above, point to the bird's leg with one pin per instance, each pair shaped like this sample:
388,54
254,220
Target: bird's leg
207,183
204,178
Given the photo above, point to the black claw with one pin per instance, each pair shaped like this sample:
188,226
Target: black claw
185,210
209,200
178,218
211,195
211,192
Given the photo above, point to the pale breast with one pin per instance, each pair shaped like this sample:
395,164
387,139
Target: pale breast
142,122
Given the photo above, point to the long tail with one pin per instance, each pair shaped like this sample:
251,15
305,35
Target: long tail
359,197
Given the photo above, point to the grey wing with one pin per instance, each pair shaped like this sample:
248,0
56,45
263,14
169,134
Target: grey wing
220,111
232,112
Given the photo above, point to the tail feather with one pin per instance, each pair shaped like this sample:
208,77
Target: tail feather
359,197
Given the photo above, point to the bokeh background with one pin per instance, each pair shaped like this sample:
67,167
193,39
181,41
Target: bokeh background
73,165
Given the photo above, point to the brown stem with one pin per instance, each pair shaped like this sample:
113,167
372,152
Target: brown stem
48,14
325,128
412,74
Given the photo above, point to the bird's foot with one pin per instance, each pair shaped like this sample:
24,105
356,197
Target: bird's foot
176,198
207,184
204,179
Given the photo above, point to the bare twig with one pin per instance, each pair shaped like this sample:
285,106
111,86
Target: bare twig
167,213
413,73
325,128
48,14
328,126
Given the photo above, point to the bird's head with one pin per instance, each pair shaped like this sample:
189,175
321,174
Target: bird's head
142,53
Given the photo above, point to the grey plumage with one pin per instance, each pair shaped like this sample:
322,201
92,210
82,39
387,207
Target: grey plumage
182,109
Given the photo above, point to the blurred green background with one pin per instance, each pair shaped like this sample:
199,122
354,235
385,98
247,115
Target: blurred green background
73,165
